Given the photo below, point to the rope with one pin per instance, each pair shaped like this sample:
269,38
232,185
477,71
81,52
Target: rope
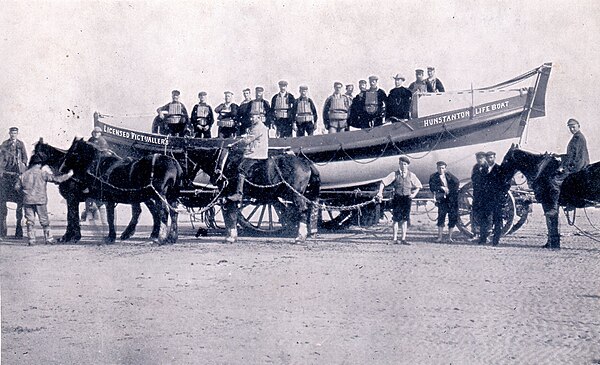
584,233
367,162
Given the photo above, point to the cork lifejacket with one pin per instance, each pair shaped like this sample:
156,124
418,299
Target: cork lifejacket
175,113
304,112
202,115
371,102
257,108
403,185
338,109
281,106
225,119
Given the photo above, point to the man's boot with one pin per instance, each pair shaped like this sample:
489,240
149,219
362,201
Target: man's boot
48,236
239,193
30,235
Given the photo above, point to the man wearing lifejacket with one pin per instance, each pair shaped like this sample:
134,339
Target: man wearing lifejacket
374,108
202,117
577,156
242,115
434,85
399,100
304,113
259,107
282,104
256,149
227,117
174,116
15,148
336,110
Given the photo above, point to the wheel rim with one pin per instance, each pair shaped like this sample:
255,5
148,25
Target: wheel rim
271,217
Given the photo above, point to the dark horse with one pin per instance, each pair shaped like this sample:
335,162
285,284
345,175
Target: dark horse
283,176
9,174
544,176
74,192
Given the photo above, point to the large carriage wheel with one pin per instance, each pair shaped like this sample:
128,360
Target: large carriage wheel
465,212
272,217
332,219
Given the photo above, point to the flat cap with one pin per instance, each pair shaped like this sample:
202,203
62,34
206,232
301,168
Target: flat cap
97,129
441,163
175,92
362,82
303,87
419,71
13,129
430,68
398,77
246,89
202,93
259,88
572,121
490,153
373,77
283,83
337,84
228,92
37,158
404,159
480,154
349,85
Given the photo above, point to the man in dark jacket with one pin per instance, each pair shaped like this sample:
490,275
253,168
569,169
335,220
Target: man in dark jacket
202,117
495,197
374,107
304,114
398,102
477,179
15,148
174,115
227,117
281,108
577,156
445,187
434,85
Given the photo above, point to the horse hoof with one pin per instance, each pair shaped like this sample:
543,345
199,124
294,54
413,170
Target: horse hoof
230,240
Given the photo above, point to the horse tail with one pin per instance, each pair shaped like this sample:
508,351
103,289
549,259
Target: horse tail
314,183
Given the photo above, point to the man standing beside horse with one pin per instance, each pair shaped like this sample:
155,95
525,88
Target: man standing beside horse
494,183
15,149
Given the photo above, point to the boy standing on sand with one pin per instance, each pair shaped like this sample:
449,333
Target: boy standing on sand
406,187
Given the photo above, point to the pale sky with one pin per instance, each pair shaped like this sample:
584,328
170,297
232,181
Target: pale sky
65,57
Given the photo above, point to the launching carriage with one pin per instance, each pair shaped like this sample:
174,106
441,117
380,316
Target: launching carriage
448,126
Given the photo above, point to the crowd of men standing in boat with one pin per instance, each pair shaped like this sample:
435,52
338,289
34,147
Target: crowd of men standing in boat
285,113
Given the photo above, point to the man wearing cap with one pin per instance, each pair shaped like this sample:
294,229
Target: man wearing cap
227,117
577,156
98,140
336,110
374,108
399,100
419,84
243,113
406,187
496,189
434,85
33,185
174,116
94,207
445,186
349,91
202,117
258,107
357,107
304,113
282,104
477,179
15,149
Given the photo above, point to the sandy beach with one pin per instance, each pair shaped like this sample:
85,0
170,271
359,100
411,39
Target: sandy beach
342,298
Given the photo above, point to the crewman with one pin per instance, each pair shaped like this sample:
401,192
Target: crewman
259,107
406,187
577,156
35,199
242,115
445,186
282,104
357,108
419,84
349,91
15,148
95,207
227,117
175,116
98,140
477,179
256,149
304,113
375,99
434,85
202,117
335,110
495,197
399,101
362,86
